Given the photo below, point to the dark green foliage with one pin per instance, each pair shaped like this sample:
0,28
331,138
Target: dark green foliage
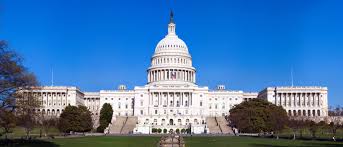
177,131
159,130
153,130
86,117
106,113
183,131
257,116
165,131
76,119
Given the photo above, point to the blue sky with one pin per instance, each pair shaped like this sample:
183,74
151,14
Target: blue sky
244,44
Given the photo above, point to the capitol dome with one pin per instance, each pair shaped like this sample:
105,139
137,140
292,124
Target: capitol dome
171,43
171,62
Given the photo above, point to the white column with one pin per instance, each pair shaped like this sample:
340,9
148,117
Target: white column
309,99
160,97
318,97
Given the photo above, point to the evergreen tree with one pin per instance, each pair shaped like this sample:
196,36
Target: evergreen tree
258,115
106,113
76,119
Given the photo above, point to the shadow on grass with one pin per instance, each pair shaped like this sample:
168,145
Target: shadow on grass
26,143
303,145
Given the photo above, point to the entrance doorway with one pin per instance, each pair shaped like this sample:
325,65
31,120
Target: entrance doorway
171,122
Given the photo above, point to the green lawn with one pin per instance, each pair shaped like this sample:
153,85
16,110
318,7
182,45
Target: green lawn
251,142
106,141
138,141
20,132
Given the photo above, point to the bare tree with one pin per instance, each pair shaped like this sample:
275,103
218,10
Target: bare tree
13,76
16,84
336,114
46,122
27,104
7,121
296,124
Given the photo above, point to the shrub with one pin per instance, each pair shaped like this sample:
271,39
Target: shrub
159,130
183,131
153,130
165,131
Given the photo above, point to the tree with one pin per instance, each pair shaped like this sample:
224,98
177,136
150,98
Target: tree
296,123
26,105
165,131
177,131
76,119
333,129
276,119
106,113
86,119
13,77
46,123
257,116
313,127
16,83
322,126
183,131
7,121
153,130
335,114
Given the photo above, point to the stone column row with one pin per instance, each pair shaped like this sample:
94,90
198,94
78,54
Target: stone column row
298,99
157,99
171,74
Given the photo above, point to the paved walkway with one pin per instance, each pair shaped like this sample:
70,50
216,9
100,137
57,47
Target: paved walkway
171,141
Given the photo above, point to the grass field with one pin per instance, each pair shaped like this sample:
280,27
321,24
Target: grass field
138,141
252,142
19,132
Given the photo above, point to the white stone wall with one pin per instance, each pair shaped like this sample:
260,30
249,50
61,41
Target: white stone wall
55,98
299,101
120,100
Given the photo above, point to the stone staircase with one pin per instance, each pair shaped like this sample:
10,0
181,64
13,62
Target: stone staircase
117,125
123,125
130,124
224,125
213,125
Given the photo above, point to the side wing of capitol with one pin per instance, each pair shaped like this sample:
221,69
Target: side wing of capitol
172,100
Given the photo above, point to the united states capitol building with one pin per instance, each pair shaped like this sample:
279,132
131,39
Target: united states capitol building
172,100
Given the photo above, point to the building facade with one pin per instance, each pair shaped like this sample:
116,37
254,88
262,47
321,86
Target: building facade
171,99
298,101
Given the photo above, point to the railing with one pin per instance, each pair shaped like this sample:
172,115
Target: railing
220,128
124,123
